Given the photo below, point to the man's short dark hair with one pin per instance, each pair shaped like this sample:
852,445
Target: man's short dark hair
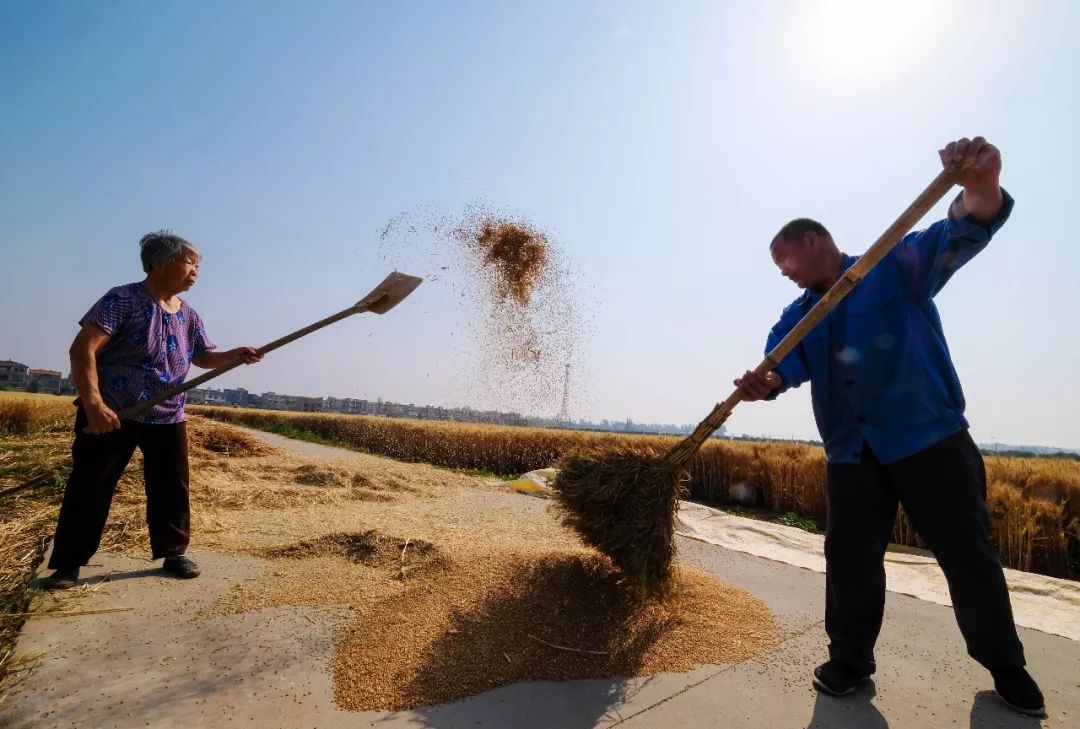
797,228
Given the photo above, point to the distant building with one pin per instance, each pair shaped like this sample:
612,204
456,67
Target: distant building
239,396
392,409
275,401
205,397
44,381
306,404
348,405
13,375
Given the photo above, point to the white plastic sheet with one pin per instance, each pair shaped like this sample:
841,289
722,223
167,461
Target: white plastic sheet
1048,604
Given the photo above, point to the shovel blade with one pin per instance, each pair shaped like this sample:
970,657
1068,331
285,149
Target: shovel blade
389,293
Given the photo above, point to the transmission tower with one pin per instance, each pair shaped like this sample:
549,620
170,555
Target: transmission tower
564,412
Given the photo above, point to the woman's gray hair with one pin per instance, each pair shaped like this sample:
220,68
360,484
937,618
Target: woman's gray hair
162,246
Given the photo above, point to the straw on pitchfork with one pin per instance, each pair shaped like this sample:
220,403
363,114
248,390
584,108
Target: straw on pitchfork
622,499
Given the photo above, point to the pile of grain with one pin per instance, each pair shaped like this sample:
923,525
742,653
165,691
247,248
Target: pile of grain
504,618
317,474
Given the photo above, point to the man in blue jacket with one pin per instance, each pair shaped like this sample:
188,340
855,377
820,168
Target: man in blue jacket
890,411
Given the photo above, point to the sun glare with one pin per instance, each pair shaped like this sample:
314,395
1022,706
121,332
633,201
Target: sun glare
839,39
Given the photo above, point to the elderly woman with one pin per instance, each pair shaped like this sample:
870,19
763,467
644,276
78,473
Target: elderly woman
136,342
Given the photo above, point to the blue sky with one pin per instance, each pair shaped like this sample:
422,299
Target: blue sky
661,144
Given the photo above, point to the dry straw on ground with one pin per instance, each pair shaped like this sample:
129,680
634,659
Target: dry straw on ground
33,461
404,558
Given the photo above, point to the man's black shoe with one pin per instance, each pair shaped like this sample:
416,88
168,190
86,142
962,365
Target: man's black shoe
182,566
62,579
835,679
1018,689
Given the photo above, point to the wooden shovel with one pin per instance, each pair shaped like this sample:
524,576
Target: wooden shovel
382,299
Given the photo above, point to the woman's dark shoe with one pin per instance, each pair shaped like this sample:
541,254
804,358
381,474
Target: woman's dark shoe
182,566
62,579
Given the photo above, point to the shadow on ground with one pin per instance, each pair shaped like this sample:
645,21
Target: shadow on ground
988,712
856,711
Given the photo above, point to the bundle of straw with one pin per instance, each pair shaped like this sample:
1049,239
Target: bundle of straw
621,499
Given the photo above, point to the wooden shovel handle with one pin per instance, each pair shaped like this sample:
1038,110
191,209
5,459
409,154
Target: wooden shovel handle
142,407
927,199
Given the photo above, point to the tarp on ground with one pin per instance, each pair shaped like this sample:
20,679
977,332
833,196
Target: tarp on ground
1049,604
